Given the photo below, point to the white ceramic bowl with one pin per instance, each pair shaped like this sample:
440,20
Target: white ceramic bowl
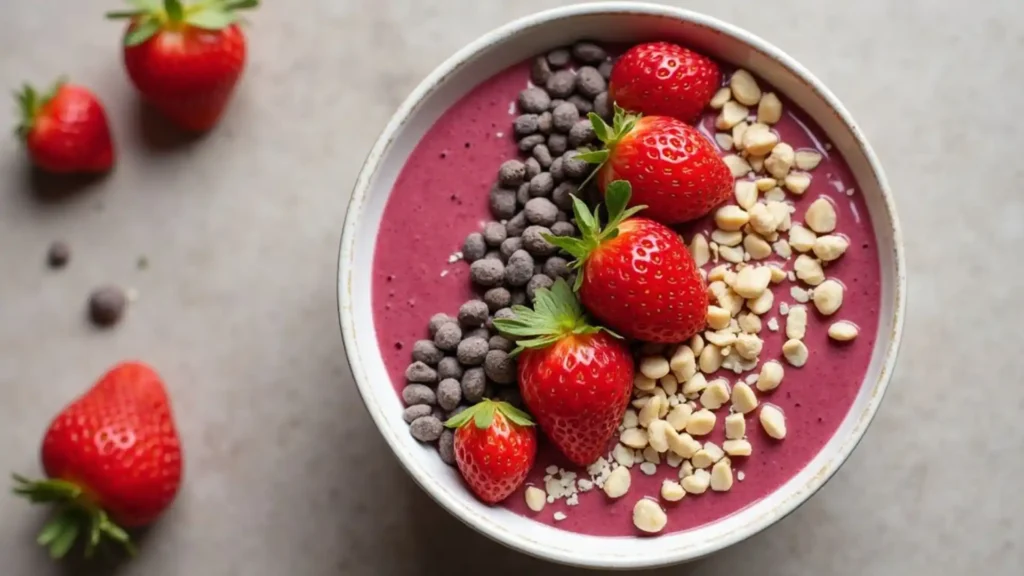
516,42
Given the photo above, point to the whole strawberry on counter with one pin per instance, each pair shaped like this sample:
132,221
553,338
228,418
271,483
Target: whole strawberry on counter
112,460
65,130
495,446
185,60
673,169
664,79
634,274
575,378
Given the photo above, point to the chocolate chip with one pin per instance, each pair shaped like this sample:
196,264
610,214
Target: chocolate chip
106,305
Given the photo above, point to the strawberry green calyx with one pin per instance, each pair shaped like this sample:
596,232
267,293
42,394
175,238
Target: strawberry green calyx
482,415
592,234
556,314
30,102
622,123
76,516
152,16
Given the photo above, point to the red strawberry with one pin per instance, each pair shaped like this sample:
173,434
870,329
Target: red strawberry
495,445
663,79
635,275
186,60
65,130
673,169
575,378
112,458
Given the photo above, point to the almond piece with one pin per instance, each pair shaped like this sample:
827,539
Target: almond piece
683,363
682,444
828,297
672,491
617,483
769,109
780,161
795,353
770,376
724,140
679,416
743,399
654,367
801,239
773,421
757,247
765,184
737,166
762,304
821,216
809,270
732,114
796,322
752,281
746,193
716,394
739,132
762,220
710,359
744,88
698,482
830,247
721,476
702,422
718,318
749,346
735,427
759,140
699,250
657,436
807,160
843,331
695,385
737,447
727,237
797,182
723,95
635,438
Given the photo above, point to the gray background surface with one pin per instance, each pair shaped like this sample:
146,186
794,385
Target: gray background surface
285,474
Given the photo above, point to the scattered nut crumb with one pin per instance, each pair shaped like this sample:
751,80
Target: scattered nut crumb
843,331
648,516
773,421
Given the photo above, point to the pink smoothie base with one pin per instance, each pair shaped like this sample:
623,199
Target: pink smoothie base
441,196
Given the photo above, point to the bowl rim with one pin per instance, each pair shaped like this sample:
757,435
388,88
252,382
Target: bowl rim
367,175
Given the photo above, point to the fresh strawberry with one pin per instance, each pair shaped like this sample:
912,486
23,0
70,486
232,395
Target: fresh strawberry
65,130
635,275
113,461
495,445
673,169
575,378
664,79
185,60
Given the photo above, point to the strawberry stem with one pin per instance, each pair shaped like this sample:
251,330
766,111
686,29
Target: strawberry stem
482,415
592,234
75,513
30,102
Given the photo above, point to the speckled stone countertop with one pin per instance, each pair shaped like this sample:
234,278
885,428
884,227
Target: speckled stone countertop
285,473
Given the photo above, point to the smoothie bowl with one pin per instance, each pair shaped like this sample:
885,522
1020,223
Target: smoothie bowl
621,285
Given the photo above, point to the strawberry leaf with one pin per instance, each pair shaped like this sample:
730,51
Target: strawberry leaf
514,415
484,415
150,6
593,156
61,545
556,314
616,196
75,516
211,18
174,10
143,30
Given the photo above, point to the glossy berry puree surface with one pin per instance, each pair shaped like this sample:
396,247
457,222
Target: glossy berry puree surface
441,196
